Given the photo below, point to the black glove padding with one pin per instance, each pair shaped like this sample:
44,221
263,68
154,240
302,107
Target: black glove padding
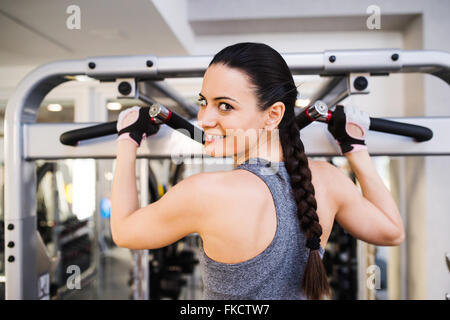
338,124
143,127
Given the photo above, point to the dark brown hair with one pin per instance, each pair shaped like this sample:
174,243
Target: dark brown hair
272,82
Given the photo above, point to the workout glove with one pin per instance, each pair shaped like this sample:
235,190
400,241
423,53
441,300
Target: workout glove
141,128
337,126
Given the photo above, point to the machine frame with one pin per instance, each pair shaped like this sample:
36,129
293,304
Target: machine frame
24,138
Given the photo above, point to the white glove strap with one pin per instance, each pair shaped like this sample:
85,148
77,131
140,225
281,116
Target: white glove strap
123,114
357,117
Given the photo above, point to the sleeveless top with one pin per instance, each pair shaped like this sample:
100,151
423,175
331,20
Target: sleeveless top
276,273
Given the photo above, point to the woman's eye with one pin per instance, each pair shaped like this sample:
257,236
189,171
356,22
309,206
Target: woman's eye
227,106
202,102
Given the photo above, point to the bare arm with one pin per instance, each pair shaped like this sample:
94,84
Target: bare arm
373,187
181,211
373,216
124,199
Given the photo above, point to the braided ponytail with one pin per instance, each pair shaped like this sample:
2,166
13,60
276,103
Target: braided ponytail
315,284
273,82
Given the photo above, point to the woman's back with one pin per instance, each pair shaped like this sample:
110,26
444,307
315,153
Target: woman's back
271,264
244,222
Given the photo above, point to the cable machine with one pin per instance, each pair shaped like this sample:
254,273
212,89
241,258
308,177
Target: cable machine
348,70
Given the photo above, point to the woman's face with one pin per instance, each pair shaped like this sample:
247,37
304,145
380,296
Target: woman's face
228,111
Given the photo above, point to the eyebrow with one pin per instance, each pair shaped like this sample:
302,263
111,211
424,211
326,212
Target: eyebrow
219,98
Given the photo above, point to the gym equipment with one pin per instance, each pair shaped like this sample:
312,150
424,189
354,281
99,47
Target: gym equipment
167,267
316,112
24,137
157,112
69,237
158,115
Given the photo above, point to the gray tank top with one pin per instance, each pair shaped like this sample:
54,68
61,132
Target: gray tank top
276,273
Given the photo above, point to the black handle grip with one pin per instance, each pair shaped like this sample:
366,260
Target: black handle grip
416,132
419,133
71,138
188,129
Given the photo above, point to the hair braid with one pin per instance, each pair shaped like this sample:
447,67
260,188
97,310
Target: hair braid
315,284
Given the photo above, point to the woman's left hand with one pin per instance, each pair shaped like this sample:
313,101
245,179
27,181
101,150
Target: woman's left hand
349,127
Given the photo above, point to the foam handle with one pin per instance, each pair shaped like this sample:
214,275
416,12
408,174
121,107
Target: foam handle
187,128
71,138
419,133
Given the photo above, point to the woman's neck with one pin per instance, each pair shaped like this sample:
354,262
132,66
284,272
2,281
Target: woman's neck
269,148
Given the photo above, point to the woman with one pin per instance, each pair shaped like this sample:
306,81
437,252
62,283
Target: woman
262,234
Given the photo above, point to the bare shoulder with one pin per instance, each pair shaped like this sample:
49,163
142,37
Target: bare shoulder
209,182
320,165
321,170
235,184
331,179
203,195
203,185
325,178
227,184
223,196
325,170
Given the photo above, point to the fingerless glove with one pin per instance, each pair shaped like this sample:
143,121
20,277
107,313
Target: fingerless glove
337,126
140,129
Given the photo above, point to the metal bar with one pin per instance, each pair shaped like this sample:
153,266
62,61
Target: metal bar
96,245
168,91
2,155
141,268
333,91
378,61
20,177
168,143
164,144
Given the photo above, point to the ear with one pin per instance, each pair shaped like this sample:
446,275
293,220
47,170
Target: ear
274,115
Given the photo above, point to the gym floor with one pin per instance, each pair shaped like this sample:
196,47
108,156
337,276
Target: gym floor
113,284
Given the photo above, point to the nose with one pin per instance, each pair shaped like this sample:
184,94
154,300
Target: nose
207,117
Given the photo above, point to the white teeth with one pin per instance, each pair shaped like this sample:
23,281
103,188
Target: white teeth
210,137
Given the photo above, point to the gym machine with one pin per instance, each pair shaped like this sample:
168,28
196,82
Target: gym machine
348,70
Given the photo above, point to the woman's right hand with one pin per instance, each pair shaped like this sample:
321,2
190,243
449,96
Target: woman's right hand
135,124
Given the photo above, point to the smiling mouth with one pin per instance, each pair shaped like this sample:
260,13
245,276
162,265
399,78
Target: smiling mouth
213,138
